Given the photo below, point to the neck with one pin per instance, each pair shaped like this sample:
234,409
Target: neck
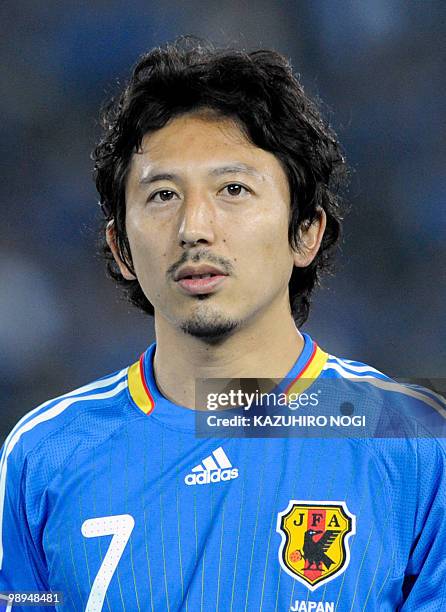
266,347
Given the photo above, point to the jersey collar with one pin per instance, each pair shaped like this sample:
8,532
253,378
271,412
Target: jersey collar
145,393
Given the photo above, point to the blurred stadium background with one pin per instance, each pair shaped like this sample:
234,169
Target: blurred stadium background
379,67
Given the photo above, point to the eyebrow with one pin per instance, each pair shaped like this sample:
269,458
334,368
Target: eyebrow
152,177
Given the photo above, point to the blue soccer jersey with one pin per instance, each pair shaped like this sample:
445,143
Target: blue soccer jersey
108,497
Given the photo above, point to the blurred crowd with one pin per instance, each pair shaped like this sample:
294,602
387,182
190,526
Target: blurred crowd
379,69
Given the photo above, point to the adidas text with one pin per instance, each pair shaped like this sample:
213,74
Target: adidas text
207,477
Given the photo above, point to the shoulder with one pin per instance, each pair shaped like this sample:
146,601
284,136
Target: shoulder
47,439
412,404
73,417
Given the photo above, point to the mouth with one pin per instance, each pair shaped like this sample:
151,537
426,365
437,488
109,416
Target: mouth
199,284
199,280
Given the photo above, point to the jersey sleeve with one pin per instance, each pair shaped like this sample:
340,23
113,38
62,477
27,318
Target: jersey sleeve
425,577
22,566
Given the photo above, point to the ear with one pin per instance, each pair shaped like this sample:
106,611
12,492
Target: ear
309,240
110,236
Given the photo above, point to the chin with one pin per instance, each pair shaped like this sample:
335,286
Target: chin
209,326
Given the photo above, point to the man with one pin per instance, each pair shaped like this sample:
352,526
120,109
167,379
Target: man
218,177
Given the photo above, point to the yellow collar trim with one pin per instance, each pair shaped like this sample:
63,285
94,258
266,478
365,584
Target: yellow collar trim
310,372
138,388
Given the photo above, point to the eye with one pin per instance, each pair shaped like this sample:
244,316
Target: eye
164,195
235,189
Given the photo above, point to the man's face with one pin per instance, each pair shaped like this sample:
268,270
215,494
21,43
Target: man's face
201,199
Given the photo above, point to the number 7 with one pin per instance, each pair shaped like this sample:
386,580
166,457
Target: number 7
120,527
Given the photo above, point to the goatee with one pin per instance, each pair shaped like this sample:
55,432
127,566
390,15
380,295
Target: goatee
209,329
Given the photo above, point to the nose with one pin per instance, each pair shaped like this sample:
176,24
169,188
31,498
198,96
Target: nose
197,221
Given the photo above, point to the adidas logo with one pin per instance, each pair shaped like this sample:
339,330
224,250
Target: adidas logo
215,468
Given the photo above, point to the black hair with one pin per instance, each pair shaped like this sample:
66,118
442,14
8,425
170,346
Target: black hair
260,92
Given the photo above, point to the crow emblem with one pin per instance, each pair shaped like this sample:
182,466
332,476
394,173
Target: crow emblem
314,552
314,547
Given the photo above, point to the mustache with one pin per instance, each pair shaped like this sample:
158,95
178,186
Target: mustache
200,256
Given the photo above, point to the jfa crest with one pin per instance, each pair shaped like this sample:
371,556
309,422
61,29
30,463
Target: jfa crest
314,547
